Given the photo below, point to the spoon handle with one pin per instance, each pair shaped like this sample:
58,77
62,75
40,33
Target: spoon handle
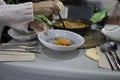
109,61
105,51
61,20
117,56
114,59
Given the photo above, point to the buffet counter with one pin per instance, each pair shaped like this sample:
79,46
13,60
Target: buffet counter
52,65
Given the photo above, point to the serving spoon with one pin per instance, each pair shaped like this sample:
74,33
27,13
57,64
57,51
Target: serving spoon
103,49
109,49
113,47
61,19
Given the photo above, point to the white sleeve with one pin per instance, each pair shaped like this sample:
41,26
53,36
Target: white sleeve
2,2
16,14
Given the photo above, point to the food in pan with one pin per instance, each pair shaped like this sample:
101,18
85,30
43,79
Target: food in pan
70,24
62,41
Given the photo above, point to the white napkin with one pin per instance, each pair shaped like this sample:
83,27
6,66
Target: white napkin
16,56
102,62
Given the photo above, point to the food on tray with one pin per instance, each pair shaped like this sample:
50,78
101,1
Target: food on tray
62,41
70,24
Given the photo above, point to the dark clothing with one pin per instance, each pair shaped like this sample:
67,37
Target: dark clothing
22,1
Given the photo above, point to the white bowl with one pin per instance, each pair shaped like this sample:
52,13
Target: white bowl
112,32
47,40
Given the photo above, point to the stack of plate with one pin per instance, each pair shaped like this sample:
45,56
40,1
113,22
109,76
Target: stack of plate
21,35
112,32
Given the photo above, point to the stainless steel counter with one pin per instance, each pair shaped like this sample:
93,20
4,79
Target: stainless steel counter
51,65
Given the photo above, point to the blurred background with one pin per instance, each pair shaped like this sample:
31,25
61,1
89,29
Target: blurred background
77,9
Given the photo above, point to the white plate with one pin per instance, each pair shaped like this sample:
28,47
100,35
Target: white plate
22,36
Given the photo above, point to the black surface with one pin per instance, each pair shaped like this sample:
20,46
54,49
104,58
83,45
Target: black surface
80,12
5,36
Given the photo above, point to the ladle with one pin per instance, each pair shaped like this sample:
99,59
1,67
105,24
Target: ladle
60,17
62,21
113,47
109,50
103,49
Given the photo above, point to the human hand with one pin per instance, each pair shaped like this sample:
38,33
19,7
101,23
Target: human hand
39,26
47,8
